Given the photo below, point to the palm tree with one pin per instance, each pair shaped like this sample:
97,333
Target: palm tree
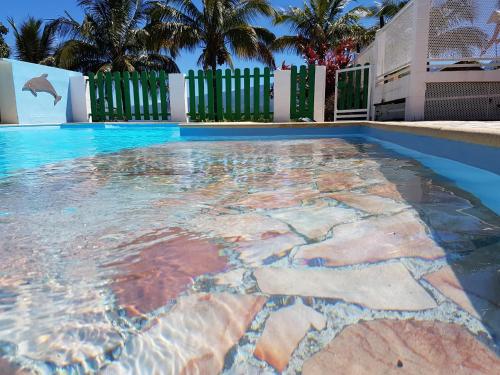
112,37
221,28
34,43
321,25
4,48
386,9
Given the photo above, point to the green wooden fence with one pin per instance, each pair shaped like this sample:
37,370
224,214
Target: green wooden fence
352,89
302,92
230,95
124,96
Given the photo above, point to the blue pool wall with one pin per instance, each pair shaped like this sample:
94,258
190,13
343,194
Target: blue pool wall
22,107
476,155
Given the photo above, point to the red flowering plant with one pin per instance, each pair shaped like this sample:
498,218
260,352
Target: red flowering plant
334,59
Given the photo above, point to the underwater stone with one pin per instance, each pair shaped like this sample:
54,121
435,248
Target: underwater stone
284,330
315,222
374,239
192,338
477,291
382,287
282,198
337,181
238,227
165,266
372,204
270,244
409,347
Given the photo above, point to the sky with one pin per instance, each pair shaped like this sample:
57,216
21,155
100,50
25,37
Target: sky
49,9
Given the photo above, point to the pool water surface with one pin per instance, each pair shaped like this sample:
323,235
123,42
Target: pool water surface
245,257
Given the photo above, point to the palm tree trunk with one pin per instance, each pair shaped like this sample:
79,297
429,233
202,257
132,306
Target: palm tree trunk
213,66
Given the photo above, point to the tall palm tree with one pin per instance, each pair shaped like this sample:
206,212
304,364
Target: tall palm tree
4,48
386,9
221,28
112,37
321,25
35,42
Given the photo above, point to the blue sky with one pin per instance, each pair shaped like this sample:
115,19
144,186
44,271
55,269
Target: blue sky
48,9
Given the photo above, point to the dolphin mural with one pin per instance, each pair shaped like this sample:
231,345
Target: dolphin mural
41,84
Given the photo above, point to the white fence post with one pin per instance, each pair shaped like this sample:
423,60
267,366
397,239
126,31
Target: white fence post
415,103
80,99
282,86
319,93
178,97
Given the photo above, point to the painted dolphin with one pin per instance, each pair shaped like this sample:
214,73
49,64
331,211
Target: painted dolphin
41,84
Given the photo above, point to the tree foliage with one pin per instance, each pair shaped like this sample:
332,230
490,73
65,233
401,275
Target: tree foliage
222,29
112,37
4,48
35,40
321,25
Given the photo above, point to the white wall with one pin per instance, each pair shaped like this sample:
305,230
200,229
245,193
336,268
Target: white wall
8,107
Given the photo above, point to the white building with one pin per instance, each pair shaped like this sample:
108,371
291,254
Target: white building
437,60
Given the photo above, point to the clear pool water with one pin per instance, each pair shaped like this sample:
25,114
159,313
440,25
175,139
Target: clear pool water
138,252
24,148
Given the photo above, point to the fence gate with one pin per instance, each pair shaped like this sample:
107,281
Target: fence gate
352,93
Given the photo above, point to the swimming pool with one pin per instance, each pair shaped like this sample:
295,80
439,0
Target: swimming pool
29,147
134,253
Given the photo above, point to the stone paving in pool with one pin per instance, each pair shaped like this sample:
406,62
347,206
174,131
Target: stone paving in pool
318,256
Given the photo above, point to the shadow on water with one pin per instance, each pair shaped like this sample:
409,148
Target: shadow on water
468,231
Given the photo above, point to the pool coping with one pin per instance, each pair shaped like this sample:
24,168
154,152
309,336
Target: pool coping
483,133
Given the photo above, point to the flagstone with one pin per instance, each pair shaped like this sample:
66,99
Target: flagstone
461,288
369,203
282,198
284,330
476,291
9,368
374,239
238,227
337,181
383,287
192,338
403,347
164,267
315,221
270,244
231,278
386,190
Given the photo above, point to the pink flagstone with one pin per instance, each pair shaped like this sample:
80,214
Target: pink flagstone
337,181
232,278
315,221
284,330
282,198
403,347
8,368
369,203
374,239
383,287
193,338
238,227
386,190
270,244
164,267
475,292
